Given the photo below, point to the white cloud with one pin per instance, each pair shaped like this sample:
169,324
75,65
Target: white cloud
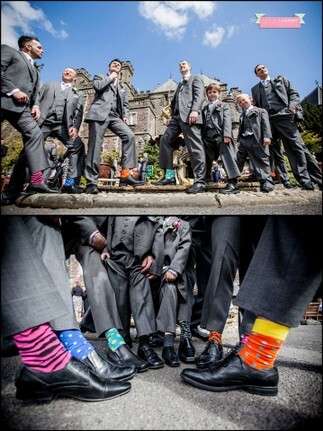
171,17
215,37
19,17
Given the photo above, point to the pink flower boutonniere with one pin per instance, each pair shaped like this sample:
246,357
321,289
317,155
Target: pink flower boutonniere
219,104
174,227
75,90
255,112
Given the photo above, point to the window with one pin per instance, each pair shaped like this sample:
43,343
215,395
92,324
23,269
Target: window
132,118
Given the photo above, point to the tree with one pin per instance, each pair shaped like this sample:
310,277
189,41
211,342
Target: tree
312,133
12,138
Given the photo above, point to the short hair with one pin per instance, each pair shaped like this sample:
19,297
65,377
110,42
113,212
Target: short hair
190,66
255,69
23,40
242,95
213,85
115,59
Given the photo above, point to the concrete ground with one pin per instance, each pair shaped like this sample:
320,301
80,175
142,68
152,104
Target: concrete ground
161,400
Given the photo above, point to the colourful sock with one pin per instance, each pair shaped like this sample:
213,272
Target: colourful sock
169,340
69,182
74,342
37,178
41,350
115,340
244,339
265,340
124,173
215,336
185,329
170,174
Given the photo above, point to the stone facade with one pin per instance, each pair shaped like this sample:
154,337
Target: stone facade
146,108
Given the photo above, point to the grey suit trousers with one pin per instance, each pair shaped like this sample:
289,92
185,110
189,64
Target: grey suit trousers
225,238
285,271
101,295
96,134
194,145
34,282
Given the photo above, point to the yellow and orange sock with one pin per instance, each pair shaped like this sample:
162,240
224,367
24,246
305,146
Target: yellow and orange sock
215,336
265,340
124,173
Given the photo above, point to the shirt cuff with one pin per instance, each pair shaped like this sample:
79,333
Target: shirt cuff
13,92
91,237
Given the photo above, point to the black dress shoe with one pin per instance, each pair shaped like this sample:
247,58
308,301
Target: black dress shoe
266,189
156,340
210,356
233,374
186,350
307,186
123,356
149,355
196,188
72,189
75,380
41,188
288,185
199,334
164,182
92,189
7,201
230,188
130,181
170,357
104,368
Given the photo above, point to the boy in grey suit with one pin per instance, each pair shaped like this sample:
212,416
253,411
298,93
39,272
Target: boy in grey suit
61,107
217,137
109,109
254,137
186,107
20,82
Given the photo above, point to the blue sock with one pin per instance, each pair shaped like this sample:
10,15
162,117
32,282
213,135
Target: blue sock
69,182
75,343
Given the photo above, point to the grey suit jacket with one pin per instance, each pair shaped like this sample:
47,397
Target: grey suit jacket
283,89
73,114
148,240
220,117
102,102
17,72
259,122
190,98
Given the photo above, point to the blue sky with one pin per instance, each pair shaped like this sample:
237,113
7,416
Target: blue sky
220,39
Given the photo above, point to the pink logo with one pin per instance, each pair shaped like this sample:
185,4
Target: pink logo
280,22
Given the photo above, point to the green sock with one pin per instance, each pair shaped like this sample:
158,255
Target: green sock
185,329
114,339
169,174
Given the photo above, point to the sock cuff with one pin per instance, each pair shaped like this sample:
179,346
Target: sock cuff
270,329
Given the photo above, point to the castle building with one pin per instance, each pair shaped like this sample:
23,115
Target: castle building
146,108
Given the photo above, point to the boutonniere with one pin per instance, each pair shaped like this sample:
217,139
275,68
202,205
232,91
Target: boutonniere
75,90
219,104
255,112
174,227
38,66
278,80
121,84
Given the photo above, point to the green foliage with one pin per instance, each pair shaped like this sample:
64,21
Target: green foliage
152,149
313,143
110,156
312,118
13,140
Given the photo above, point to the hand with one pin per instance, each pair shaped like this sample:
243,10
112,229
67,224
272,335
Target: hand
238,144
193,117
98,242
293,109
20,97
169,277
266,142
73,132
105,255
113,75
126,120
227,140
35,112
146,264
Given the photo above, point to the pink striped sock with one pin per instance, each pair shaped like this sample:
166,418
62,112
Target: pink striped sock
244,339
36,178
41,350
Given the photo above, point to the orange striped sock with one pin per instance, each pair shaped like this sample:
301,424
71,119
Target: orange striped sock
215,336
264,342
124,173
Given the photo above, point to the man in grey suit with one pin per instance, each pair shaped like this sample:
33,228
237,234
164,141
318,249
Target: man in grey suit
61,107
281,101
20,82
110,110
186,107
